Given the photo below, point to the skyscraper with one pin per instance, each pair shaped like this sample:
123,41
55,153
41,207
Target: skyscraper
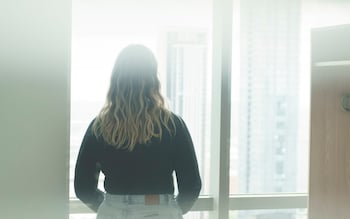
269,41
187,86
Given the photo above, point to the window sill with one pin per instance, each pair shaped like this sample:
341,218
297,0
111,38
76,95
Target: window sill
236,202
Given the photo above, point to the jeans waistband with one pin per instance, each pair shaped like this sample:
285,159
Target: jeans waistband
158,199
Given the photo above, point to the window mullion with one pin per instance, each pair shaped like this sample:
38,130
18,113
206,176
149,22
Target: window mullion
221,109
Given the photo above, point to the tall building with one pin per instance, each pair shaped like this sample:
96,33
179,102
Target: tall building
187,86
269,41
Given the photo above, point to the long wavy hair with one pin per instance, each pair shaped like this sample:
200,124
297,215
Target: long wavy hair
135,111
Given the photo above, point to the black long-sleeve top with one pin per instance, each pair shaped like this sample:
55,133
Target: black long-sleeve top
145,170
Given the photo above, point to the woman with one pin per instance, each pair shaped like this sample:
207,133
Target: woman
137,143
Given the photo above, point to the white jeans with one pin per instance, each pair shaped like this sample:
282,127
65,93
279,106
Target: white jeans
135,207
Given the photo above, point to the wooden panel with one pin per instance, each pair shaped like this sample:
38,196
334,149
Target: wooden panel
329,191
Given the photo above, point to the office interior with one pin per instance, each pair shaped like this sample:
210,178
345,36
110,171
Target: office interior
266,93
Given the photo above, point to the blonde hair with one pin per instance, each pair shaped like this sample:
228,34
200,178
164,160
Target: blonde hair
135,111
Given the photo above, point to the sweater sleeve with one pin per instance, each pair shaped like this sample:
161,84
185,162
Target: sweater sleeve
186,169
87,172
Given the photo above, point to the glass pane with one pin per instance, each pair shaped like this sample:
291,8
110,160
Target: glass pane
270,91
178,32
266,116
270,214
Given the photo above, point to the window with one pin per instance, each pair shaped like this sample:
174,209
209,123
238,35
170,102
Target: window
267,90
267,36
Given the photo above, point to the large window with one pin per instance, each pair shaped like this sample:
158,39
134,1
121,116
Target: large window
268,90
269,121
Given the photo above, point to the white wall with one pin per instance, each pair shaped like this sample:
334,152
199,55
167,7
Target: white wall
34,108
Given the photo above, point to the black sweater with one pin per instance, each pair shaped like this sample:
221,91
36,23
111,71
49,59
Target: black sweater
145,170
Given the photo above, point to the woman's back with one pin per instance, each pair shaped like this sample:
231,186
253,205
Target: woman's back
136,141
